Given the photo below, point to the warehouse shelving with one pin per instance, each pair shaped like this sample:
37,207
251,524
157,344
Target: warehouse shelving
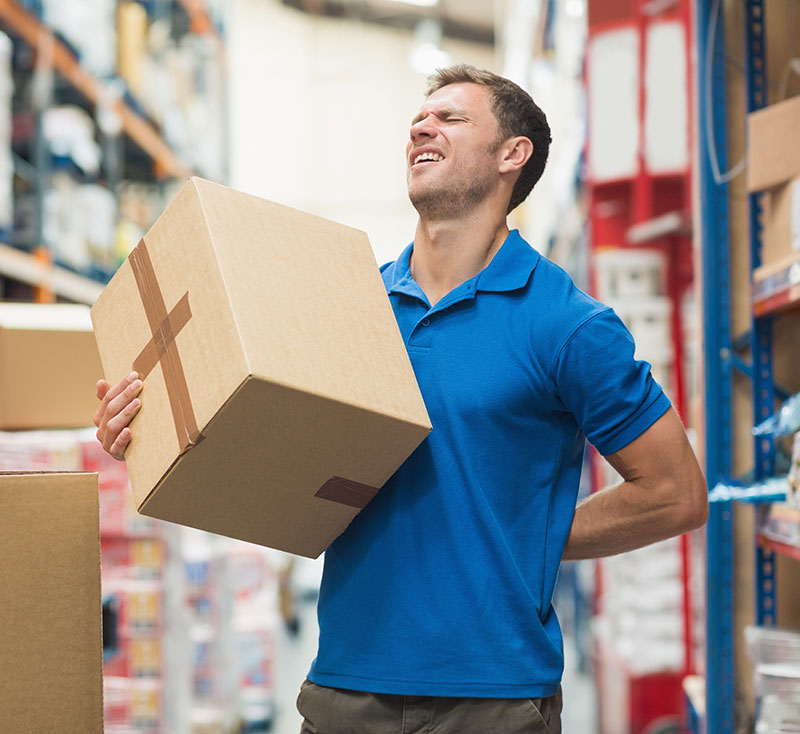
778,527
143,150
723,359
22,22
642,211
780,292
49,278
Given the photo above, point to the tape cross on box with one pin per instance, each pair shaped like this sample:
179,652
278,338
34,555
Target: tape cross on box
162,346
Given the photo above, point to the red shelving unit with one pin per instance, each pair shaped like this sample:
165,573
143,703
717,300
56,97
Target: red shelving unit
642,199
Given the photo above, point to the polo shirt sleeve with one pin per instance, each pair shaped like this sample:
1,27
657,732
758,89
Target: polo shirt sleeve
612,396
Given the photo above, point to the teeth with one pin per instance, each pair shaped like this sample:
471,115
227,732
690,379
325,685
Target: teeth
428,157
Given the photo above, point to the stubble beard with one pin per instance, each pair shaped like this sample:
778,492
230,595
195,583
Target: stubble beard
434,203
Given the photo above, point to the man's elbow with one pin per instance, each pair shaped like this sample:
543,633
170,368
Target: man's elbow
694,507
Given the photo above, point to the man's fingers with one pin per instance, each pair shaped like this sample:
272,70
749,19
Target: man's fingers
119,388
118,423
112,407
118,405
102,389
117,449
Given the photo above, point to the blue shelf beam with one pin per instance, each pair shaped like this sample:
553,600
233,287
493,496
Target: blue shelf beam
761,342
718,361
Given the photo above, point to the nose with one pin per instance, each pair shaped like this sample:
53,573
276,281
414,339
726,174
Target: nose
422,129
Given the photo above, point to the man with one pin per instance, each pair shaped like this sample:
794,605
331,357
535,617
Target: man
435,606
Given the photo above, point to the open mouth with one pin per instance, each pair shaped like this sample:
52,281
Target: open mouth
428,158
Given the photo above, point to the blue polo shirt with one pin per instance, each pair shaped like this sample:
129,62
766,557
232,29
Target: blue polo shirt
442,585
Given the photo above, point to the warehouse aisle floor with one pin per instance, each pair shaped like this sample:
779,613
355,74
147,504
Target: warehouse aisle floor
294,655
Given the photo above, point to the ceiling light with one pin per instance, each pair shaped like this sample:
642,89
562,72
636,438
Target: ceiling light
426,58
418,3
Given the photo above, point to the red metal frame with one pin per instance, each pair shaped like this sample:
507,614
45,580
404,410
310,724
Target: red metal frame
614,206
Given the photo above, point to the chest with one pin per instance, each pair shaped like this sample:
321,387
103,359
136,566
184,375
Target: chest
479,359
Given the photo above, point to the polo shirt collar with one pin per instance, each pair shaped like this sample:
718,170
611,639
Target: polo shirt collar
510,268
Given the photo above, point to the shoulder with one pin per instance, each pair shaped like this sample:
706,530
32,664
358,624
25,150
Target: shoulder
388,273
560,306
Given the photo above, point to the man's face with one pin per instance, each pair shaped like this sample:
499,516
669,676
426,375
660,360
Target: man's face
452,159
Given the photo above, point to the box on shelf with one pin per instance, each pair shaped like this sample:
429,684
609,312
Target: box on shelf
781,221
278,395
629,272
48,366
773,166
136,657
51,658
773,150
777,284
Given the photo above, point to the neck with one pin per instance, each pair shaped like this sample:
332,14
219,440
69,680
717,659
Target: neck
448,252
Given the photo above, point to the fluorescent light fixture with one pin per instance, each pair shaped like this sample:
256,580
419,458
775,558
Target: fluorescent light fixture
418,3
426,58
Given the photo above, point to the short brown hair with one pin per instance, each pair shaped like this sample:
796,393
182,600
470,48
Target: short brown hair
516,114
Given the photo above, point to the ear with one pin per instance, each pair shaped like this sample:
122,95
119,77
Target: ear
515,153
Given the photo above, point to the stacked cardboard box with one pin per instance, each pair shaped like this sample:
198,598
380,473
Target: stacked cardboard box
773,166
48,366
50,606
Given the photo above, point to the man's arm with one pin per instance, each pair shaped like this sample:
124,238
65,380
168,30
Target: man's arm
663,494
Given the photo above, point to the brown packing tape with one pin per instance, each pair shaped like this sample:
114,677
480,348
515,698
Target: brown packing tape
162,346
347,492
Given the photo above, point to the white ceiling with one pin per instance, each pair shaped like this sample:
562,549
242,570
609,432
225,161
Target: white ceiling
460,17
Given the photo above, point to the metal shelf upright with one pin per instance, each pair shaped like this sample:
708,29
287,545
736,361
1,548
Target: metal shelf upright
720,357
718,362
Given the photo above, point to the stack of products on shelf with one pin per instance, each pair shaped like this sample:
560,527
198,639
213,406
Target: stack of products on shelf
633,283
96,176
88,29
793,496
642,608
229,620
179,83
640,619
775,655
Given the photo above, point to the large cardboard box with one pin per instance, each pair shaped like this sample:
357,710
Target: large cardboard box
51,654
278,396
48,366
773,152
773,166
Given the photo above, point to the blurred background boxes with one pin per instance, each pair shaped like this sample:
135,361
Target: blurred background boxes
48,366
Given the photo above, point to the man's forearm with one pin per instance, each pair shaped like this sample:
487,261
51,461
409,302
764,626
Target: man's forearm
626,517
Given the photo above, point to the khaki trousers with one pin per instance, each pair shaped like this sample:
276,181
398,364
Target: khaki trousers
338,711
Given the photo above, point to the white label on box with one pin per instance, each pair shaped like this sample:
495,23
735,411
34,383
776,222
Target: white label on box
794,224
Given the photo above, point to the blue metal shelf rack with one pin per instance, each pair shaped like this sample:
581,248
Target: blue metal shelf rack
720,356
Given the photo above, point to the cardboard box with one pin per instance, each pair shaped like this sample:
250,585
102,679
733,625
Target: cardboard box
51,656
48,366
278,394
781,221
773,154
776,285
773,166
